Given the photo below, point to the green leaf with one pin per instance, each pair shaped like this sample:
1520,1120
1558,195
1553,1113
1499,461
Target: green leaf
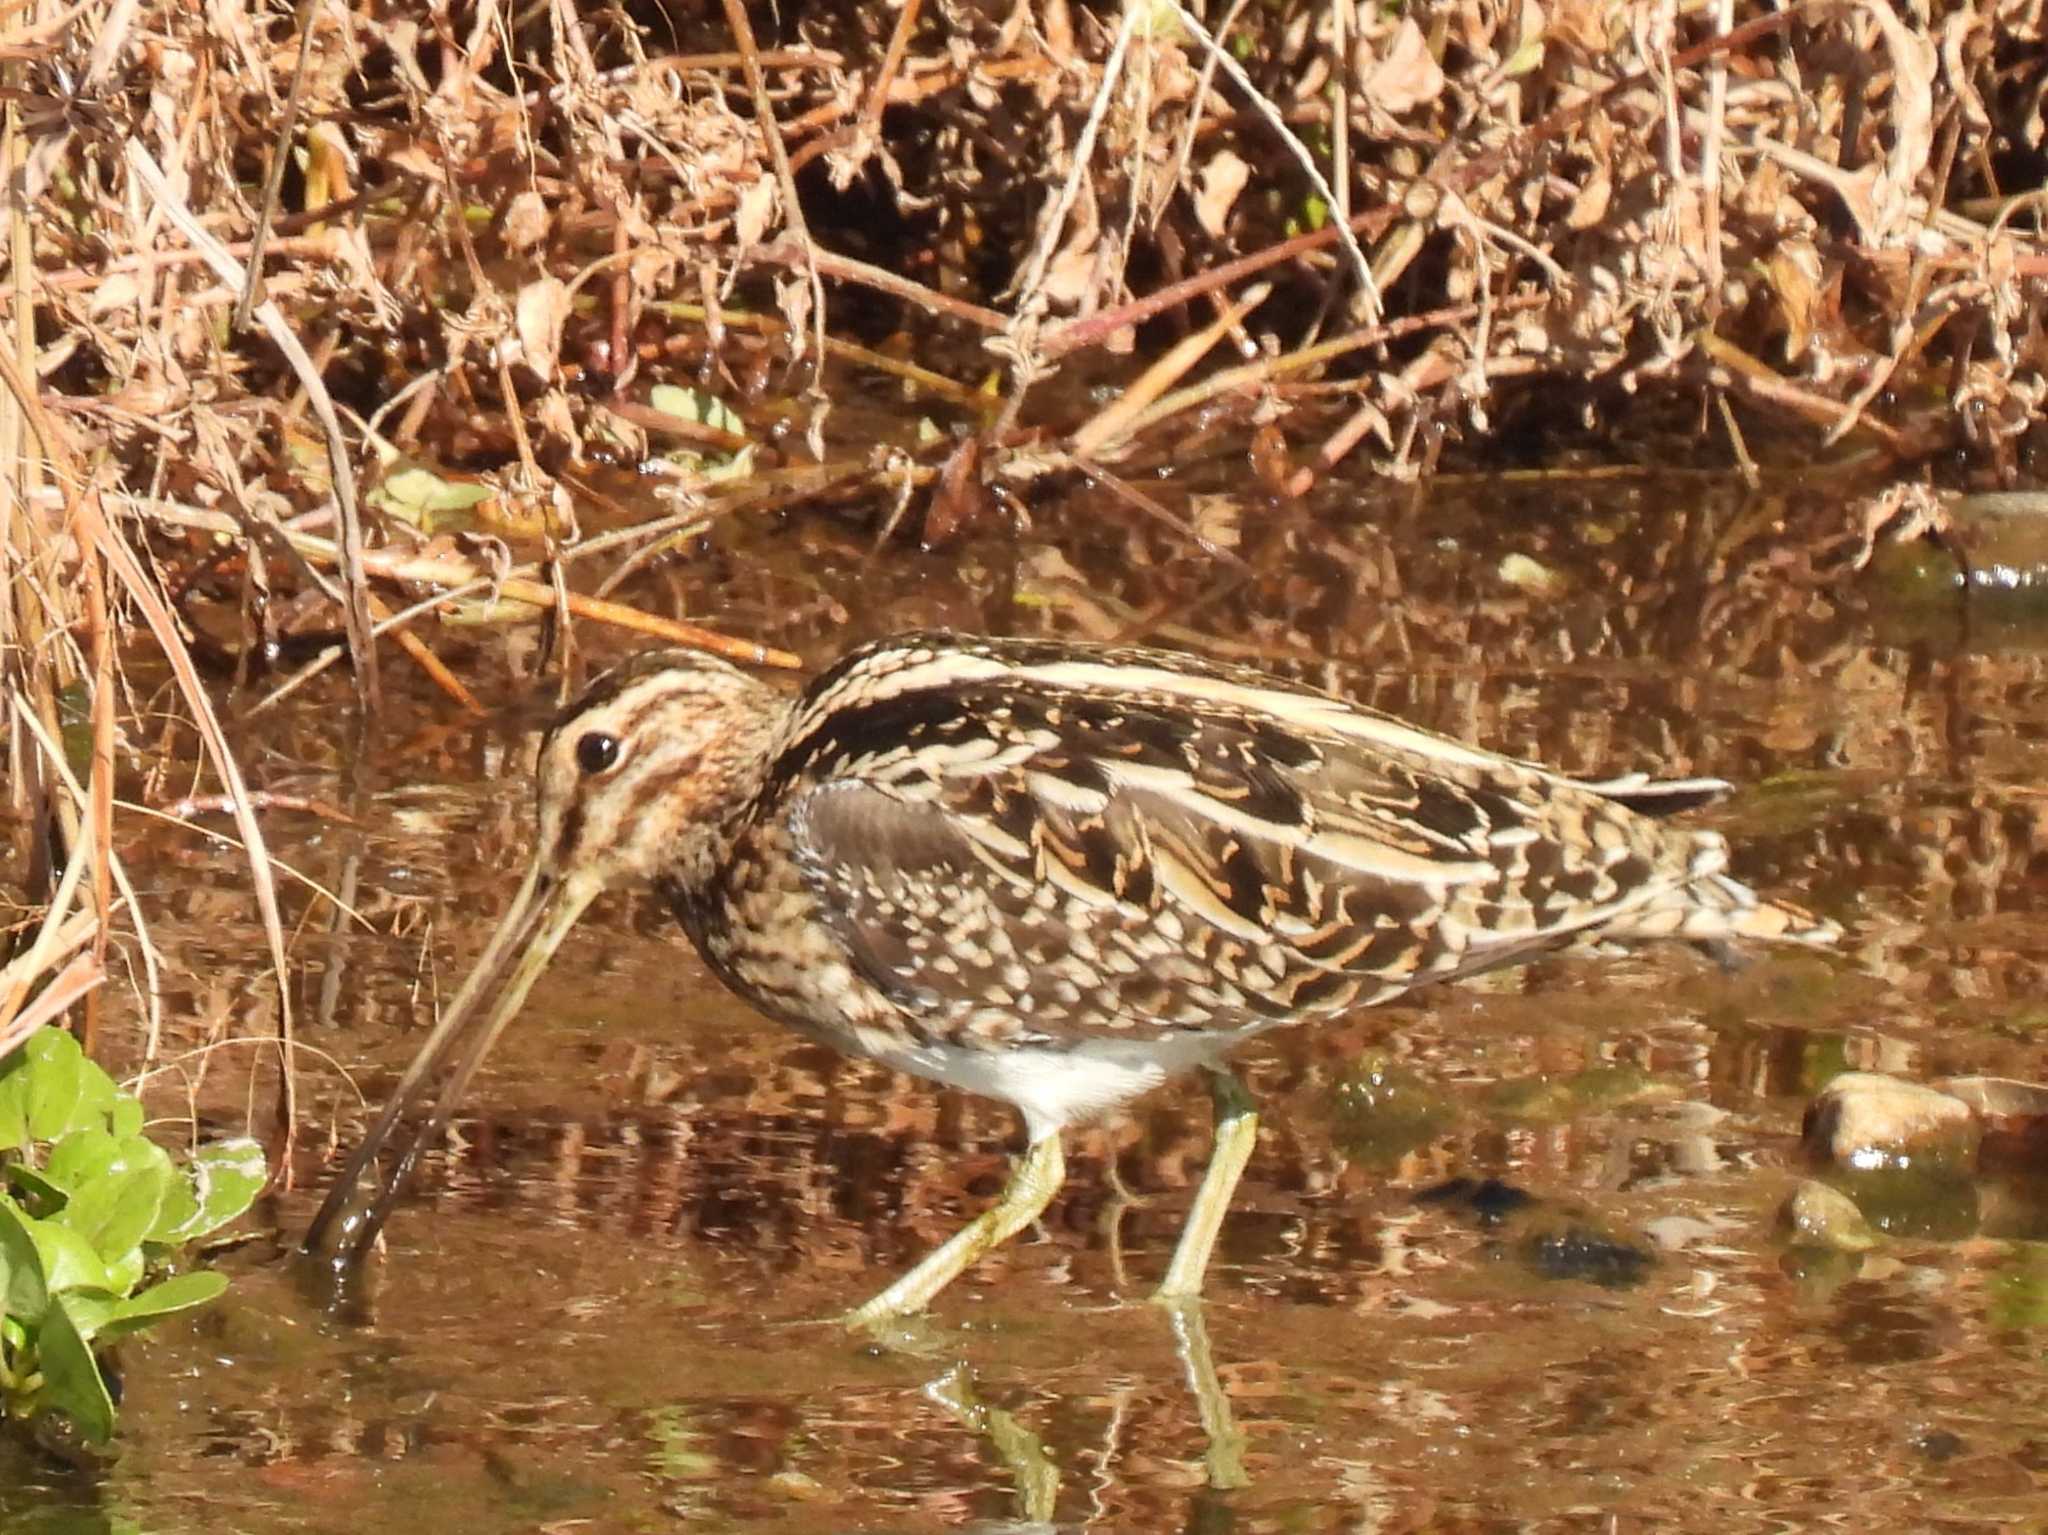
127,1116
117,1187
226,1178
181,1292
428,500
116,1211
695,405
71,1376
70,1262
178,1213
54,1068
66,1091
90,1309
125,1272
87,1156
27,1294
14,1103
80,1158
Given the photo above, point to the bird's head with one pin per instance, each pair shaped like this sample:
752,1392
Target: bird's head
643,776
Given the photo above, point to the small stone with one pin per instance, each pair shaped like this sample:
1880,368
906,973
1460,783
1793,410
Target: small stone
2014,1115
1937,1444
1867,1121
796,1486
1818,1216
1674,1233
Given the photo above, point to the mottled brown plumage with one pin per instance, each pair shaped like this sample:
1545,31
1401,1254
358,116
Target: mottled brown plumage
1058,874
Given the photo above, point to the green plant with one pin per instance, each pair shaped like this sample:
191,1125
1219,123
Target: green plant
91,1208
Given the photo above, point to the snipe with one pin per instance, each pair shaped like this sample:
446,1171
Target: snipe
1058,875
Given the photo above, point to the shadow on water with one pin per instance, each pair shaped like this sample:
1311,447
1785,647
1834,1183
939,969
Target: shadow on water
593,1311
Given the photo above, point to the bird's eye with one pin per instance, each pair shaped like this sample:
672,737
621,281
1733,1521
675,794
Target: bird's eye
597,752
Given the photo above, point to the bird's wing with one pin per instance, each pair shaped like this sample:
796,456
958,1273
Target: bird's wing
1076,866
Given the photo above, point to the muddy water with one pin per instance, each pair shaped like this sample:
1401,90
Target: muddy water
595,1312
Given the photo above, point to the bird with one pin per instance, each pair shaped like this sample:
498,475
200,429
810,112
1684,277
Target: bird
1059,874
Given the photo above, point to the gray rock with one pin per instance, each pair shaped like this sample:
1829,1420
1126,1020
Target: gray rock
1818,1216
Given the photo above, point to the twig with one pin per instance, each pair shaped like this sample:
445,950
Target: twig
450,571
870,120
424,658
152,975
846,269
792,211
1731,367
1111,424
1271,368
280,156
193,805
1361,269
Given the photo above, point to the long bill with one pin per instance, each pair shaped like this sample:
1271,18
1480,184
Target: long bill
541,914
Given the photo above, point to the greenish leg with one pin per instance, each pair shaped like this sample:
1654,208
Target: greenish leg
1219,1427
1237,1131
1035,1472
1037,1178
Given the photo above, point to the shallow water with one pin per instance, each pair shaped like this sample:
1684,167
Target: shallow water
595,1312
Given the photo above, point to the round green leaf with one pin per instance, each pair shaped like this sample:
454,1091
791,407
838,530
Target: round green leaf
50,1066
70,1262
87,1156
178,1212
226,1178
116,1210
81,1157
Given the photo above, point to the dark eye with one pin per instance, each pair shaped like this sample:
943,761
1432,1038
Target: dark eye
596,752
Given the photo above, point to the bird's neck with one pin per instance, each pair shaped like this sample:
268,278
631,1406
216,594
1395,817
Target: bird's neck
746,755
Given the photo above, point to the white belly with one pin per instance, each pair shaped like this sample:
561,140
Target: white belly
1056,1088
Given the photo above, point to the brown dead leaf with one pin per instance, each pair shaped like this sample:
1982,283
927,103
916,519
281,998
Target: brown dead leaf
1056,26
1223,178
539,314
1793,270
1406,77
1590,206
1956,52
793,299
1072,274
756,208
526,221
556,417
121,290
1583,25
